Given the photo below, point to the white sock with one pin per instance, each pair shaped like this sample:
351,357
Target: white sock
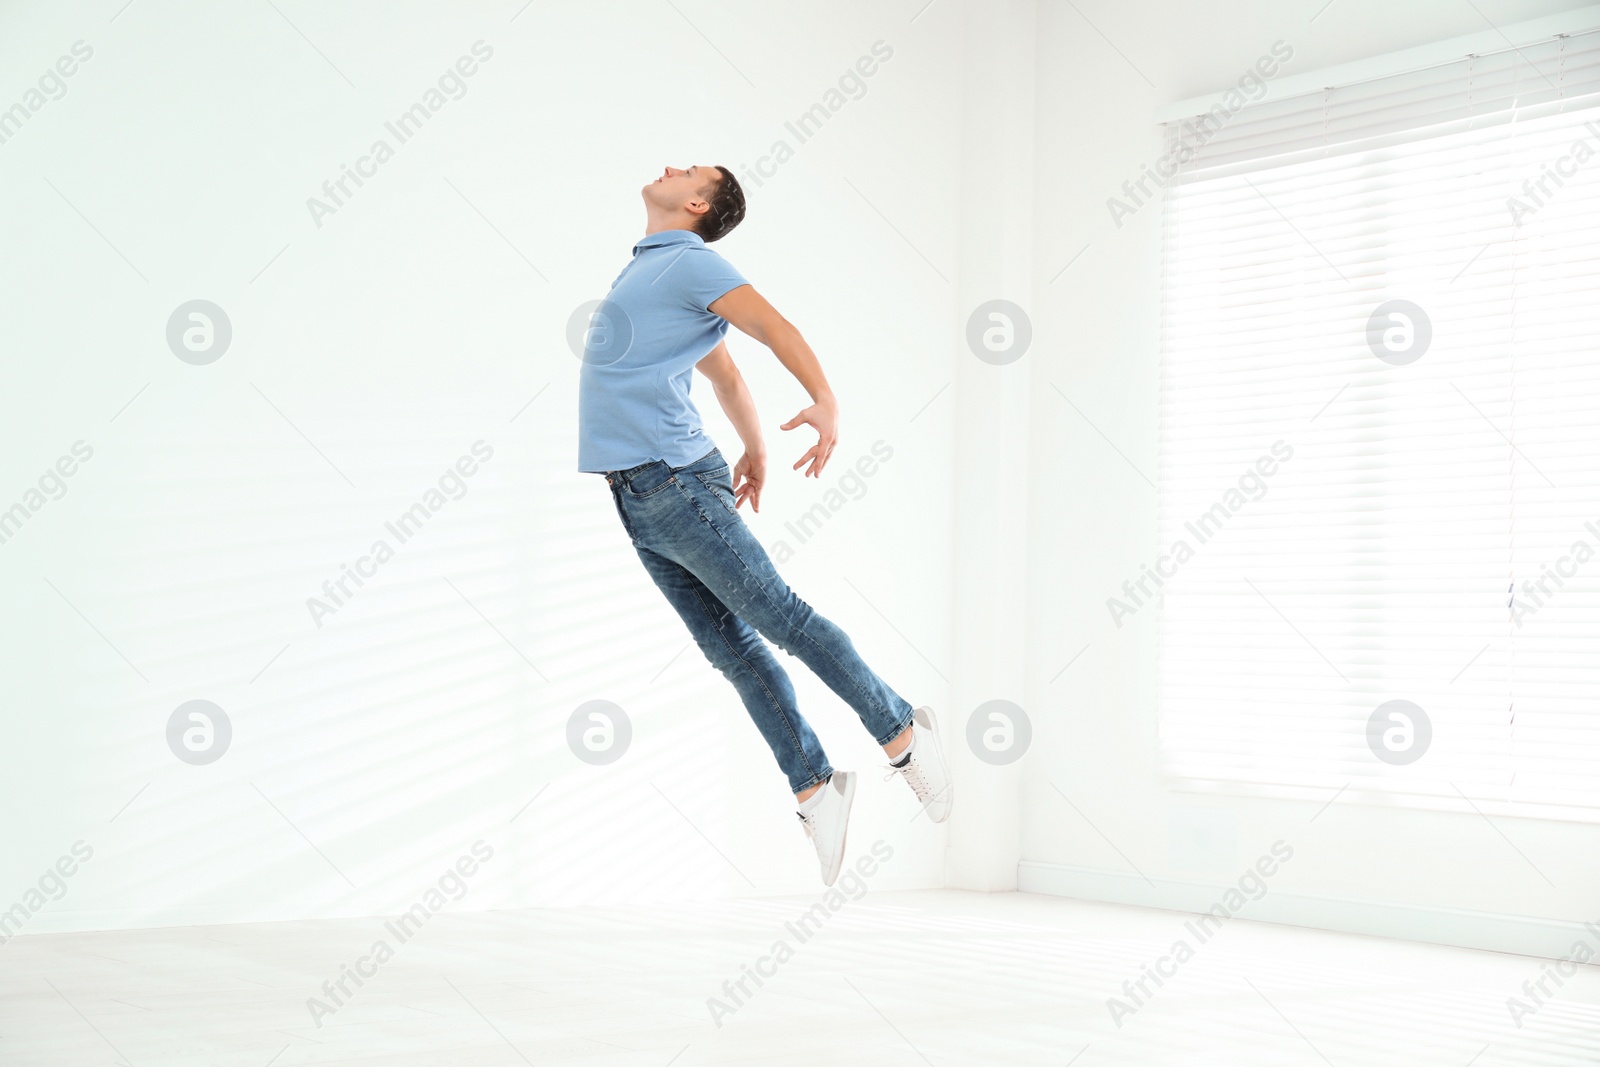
905,753
810,803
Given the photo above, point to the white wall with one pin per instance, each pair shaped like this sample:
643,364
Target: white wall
1092,523
428,313
990,435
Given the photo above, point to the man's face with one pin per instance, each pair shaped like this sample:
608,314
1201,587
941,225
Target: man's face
682,188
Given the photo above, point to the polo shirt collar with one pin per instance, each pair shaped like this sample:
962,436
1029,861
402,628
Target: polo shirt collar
663,238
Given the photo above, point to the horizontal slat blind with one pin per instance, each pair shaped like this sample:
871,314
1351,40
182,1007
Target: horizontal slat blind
1561,74
1376,561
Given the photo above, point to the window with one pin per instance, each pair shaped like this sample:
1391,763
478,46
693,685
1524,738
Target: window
1380,440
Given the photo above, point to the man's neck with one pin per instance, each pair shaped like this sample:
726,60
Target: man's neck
655,223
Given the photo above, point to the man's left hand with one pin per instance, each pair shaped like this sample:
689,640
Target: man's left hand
823,416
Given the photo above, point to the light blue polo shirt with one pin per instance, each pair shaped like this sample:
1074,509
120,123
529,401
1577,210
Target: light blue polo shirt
640,350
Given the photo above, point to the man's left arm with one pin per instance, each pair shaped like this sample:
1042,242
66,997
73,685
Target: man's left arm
750,312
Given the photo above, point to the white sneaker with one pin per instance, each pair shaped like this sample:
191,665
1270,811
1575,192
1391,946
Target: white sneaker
827,822
926,771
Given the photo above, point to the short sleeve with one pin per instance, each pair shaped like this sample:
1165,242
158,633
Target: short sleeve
703,276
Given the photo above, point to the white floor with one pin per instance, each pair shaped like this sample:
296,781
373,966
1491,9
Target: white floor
937,977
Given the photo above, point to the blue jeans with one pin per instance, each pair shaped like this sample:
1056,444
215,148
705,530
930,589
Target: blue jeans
696,546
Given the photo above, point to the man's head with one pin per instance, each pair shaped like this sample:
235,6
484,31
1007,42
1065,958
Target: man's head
707,200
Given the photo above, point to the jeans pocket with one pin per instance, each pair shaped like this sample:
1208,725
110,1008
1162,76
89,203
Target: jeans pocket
719,483
649,481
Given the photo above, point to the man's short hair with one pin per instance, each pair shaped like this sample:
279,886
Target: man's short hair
726,208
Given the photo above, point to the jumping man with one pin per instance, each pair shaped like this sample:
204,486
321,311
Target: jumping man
667,314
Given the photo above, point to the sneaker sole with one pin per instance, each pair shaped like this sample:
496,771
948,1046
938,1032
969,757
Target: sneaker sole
849,801
950,780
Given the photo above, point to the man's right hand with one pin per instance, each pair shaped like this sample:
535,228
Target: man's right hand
749,475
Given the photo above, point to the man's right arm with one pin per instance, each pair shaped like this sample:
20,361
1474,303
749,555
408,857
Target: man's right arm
750,473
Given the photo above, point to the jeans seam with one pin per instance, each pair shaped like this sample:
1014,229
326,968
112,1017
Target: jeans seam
771,697
694,505
767,594
826,651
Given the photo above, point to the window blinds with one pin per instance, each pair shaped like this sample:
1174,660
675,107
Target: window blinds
1380,447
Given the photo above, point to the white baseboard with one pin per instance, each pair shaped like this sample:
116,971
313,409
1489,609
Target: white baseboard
1518,934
